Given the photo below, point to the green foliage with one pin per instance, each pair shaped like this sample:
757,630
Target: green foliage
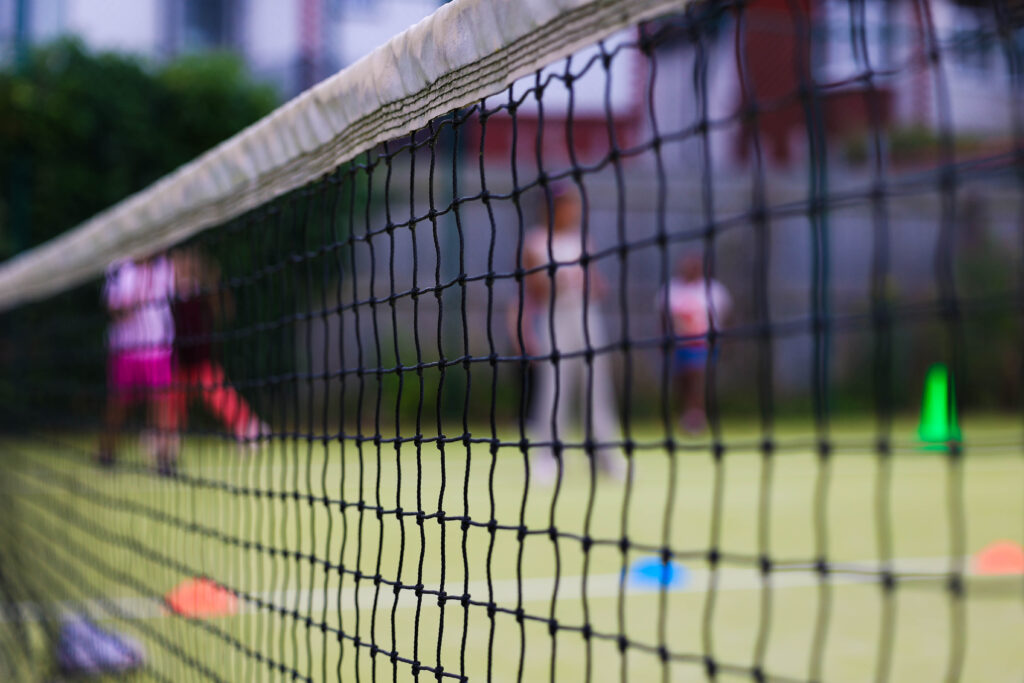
79,132
93,128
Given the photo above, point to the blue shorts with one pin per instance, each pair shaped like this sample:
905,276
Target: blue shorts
690,358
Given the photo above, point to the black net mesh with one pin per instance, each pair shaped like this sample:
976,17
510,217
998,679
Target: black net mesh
694,356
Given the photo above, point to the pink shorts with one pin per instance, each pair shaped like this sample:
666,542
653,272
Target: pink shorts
135,374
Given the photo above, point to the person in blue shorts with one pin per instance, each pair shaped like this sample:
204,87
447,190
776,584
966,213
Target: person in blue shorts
692,306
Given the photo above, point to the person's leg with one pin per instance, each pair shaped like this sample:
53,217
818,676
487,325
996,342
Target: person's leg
180,395
118,387
549,411
694,419
163,410
225,403
600,415
114,417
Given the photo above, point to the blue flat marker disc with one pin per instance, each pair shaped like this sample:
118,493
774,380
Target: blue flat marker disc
653,574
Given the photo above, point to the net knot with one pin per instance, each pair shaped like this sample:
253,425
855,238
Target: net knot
418,590
765,564
622,643
587,632
442,597
552,626
824,450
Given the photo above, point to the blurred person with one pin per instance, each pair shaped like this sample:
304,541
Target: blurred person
554,310
690,305
137,295
197,376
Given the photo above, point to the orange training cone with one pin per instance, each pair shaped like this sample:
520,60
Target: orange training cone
201,598
1001,557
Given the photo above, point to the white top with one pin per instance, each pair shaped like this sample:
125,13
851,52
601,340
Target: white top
138,294
693,306
566,249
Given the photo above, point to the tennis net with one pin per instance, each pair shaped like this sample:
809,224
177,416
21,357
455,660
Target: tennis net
605,340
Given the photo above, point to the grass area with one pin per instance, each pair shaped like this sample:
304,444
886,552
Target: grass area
80,533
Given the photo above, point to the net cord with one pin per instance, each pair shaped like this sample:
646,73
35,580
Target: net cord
464,51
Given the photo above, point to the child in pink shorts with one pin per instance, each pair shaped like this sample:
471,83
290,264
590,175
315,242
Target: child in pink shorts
140,339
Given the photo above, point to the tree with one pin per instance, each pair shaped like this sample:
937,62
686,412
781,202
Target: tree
90,129
78,132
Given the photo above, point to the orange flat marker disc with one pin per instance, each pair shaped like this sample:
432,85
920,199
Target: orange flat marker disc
201,598
1001,557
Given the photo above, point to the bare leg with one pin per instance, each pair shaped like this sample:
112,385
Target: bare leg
116,412
694,419
163,410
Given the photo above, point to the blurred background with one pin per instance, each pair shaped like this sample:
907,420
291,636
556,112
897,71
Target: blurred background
98,100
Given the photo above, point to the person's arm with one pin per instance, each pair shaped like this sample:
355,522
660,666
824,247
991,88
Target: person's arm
664,306
721,304
120,291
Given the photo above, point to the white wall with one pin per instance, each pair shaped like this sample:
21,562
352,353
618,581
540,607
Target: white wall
270,39
361,27
46,19
121,25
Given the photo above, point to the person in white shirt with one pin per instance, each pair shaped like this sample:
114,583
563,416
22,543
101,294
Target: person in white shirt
692,306
140,340
562,313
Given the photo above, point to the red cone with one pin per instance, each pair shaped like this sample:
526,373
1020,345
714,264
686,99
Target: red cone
201,598
1001,557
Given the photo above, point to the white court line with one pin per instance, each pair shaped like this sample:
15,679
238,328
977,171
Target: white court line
507,592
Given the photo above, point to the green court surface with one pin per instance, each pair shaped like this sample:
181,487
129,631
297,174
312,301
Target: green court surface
114,541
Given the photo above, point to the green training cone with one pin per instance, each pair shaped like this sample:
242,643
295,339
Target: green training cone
938,408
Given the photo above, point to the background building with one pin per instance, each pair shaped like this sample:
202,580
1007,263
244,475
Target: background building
292,43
